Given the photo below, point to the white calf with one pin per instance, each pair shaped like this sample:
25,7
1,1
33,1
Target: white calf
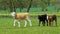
20,16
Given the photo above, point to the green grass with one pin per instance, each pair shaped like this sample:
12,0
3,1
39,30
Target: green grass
6,27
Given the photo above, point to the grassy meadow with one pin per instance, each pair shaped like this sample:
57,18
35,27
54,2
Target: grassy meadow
6,25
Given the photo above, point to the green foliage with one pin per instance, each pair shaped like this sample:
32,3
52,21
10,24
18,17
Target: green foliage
5,4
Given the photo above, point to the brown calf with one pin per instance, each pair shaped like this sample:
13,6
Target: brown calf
52,18
21,16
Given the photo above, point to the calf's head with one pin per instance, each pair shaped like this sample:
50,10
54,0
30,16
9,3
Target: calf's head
13,14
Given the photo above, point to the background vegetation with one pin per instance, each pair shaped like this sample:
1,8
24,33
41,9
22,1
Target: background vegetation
43,5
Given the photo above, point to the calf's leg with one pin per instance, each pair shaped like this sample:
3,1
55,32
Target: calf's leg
56,21
47,22
29,21
18,23
14,22
39,22
43,23
25,23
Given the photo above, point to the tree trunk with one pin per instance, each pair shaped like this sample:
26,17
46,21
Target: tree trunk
48,2
20,9
29,6
42,9
14,9
11,8
46,9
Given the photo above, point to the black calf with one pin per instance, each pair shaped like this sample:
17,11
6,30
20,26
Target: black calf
43,19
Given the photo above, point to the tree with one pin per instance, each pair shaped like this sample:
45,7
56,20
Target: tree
43,4
11,6
29,6
20,4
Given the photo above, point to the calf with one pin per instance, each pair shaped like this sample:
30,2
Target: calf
43,18
21,16
52,18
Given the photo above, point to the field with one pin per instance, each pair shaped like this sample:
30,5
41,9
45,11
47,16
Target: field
6,26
